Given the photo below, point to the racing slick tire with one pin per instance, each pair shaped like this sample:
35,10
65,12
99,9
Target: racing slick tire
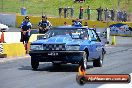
84,61
34,64
56,64
99,62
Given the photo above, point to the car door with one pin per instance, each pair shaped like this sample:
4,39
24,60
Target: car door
95,45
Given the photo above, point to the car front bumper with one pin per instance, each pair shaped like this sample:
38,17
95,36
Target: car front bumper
51,56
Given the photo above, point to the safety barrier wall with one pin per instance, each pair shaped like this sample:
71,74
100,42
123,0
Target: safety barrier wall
13,49
35,20
60,21
8,19
1,48
12,46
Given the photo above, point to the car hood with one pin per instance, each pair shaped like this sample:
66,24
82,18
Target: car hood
61,39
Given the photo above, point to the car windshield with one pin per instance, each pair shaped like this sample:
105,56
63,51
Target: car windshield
77,33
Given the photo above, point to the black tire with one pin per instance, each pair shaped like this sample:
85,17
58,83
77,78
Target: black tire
84,61
34,64
99,62
56,64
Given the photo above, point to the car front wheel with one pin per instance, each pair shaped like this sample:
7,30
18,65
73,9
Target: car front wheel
84,61
34,64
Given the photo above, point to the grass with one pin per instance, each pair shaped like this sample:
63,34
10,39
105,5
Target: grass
50,7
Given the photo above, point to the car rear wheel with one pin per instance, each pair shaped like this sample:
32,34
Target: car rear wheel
84,61
34,64
99,62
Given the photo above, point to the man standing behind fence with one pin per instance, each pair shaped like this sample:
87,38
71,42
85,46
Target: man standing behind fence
88,11
99,10
81,13
60,12
124,16
65,12
112,14
106,13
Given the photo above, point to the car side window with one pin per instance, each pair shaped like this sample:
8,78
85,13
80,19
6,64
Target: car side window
92,35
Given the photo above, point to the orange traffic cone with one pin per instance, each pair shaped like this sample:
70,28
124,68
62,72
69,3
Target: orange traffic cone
2,37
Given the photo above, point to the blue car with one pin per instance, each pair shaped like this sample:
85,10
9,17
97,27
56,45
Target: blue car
68,44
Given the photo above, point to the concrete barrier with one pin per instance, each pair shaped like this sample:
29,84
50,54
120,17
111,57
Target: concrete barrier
13,49
35,20
8,19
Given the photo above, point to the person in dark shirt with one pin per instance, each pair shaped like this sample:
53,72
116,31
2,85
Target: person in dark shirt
44,25
25,30
81,13
77,23
112,14
99,10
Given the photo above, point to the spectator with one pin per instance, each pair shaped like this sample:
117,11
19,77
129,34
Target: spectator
73,22
112,14
25,30
65,24
88,11
81,13
44,25
65,12
60,12
121,16
86,24
77,23
118,15
106,13
99,10
125,16
72,12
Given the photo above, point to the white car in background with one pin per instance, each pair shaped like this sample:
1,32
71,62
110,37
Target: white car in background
3,27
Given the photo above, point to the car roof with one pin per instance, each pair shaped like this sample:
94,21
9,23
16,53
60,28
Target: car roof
69,27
